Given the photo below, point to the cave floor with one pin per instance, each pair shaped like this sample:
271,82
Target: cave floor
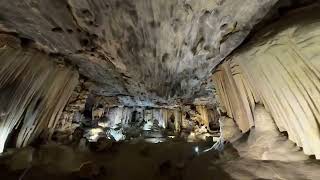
172,160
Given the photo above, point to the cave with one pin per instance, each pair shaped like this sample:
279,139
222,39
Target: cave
159,89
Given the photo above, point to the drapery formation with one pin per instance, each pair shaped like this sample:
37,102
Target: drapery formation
177,118
125,115
281,70
235,94
33,93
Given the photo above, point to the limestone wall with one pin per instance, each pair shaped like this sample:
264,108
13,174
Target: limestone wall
279,68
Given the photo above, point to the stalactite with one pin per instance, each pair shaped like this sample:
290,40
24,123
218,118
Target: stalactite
130,122
234,96
124,115
279,69
33,93
117,116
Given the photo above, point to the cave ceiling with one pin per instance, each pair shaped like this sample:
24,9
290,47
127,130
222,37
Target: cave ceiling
155,51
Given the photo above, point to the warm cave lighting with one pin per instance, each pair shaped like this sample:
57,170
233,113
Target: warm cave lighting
103,124
94,134
2,143
148,126
154,140
196,149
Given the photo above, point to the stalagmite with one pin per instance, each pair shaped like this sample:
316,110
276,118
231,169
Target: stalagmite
33,93
265,142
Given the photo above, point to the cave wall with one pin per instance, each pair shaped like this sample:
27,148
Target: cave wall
33,92
73,112
177,117
127,123
124,115
154,50
279,68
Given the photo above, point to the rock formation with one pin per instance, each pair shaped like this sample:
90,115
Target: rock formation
278,68
123,81
157,51
33,93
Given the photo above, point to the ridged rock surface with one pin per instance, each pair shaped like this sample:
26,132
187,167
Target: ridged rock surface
279,69
151,49
33,93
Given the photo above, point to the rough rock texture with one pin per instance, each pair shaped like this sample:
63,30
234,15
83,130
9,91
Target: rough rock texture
279,69
142,48
73,112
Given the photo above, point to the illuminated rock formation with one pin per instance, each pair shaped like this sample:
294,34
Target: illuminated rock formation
33,93
279,68
265,142
159,89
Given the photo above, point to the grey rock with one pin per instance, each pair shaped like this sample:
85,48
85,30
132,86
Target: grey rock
157,51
